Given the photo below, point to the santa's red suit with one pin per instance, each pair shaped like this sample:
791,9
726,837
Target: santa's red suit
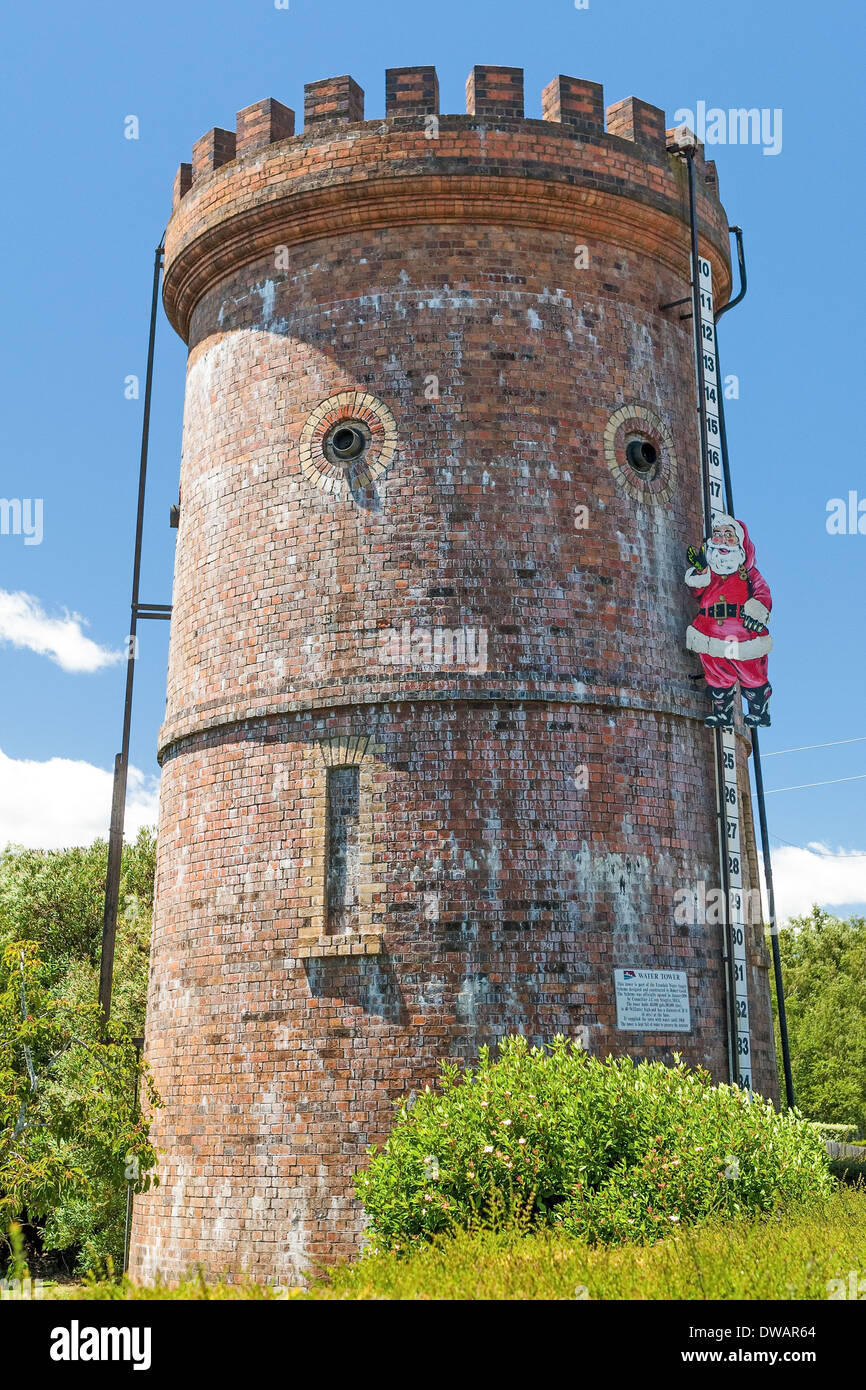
730,651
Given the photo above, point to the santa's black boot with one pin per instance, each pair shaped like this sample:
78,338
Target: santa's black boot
722,716
759,699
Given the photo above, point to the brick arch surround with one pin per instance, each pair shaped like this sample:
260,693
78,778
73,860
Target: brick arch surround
532,800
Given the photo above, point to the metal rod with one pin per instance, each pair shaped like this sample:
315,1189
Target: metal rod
723,438
744,282
756,749
138,1044
721,812
121,762
727,927
699,346
730,980
774,928
723,432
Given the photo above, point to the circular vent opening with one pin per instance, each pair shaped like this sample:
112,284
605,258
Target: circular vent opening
643,456
347,441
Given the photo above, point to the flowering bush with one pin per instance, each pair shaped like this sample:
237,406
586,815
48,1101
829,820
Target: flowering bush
609,1150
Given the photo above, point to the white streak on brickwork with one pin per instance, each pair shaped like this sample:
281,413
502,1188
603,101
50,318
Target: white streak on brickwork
466,1001
267,291
621,880
584,328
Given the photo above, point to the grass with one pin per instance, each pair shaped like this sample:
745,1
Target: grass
790,1256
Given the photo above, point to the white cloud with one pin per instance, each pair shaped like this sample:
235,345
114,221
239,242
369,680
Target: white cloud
60,802
802,877
24,623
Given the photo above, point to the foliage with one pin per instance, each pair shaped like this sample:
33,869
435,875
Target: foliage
824,969
849,1170
68,1135
607,1150
790,1255
55,899
196,1288
840,1134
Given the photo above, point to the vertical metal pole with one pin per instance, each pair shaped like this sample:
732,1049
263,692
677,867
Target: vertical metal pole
756,749
699,346
121,762
723,432
721,810
774,928
138,1044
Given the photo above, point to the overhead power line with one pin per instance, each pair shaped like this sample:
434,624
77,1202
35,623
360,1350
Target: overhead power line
818,853
837,743
860,776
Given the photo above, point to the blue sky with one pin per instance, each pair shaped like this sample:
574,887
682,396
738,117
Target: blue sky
86,207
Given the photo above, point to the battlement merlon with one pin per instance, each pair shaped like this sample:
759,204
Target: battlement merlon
249,191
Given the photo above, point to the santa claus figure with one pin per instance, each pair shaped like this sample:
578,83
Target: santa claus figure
729,632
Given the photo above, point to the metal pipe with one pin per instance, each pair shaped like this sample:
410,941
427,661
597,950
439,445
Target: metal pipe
744,283
756,749
138,1044
121,762
689,154
723,433
774,928
727,926
721,813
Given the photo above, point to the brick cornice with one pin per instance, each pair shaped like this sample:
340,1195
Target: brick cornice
204,720
519,175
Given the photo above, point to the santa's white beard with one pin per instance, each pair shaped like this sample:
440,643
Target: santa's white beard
725,561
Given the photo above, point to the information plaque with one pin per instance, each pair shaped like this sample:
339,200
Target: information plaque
652,1001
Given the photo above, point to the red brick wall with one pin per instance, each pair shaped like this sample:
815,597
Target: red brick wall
503,885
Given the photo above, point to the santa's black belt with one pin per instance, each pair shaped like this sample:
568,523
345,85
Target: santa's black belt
720,610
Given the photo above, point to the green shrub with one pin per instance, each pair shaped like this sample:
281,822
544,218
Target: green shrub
56,898
824,965
849,1170
607,1150
840,1134
66,1133
71,1136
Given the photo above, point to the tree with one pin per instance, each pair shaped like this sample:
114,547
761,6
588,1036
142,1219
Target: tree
71,1133
824,967
70,1140
56,897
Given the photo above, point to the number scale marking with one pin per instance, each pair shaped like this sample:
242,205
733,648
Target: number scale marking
712,387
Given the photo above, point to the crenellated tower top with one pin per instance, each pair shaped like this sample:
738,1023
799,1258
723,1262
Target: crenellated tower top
582,169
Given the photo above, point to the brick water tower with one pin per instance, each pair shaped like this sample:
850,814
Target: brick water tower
434,766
